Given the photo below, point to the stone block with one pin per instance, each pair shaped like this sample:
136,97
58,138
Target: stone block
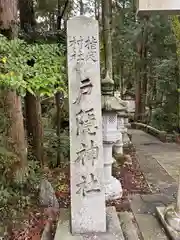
86,150
170,231
47,196
129,228
114,231
150,228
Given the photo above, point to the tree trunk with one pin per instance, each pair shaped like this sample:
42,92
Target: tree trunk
144,68
151,83
15,132
137,94
141,78
178,95
27,15
106,19
34,127
144,85
58,96
32,103
121,85
8,18
12,102
176,30
81,7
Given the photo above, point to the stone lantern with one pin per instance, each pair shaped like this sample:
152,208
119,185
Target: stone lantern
110,108
126,140
122,126
118,146
126,119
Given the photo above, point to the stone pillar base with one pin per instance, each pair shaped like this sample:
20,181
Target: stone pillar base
126,140
168,218
114,231
118,147
113,189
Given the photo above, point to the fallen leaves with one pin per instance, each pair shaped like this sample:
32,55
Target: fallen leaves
32,230
133,182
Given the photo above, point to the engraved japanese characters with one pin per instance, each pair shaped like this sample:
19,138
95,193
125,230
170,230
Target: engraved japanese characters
85,126
77,45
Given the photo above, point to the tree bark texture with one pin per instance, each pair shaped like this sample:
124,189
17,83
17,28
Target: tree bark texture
61,13
8,18
106,19
141,81
81,7
32,103
15,132
27,15
12,102
34,126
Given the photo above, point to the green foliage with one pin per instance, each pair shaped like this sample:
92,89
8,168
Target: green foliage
14,197
52,143
163,120
45,75
176,31
160,71
47,5
52,114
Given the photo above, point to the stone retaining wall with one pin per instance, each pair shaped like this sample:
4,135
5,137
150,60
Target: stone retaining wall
161,135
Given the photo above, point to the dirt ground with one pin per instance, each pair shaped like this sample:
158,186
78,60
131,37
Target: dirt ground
132,180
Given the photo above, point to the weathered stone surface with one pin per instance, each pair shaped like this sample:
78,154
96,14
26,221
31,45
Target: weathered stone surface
113,188
172,233
160,164
129,228
156,176
114,231
111,103
47,233
47,195
158,161
87,190
146,204
150,227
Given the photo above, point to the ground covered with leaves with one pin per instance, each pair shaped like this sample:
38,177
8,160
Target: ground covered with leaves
35,219
130,176
132,180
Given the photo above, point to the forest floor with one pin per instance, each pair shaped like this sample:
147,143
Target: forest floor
131,177
132,180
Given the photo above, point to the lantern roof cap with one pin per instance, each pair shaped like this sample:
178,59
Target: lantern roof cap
112,103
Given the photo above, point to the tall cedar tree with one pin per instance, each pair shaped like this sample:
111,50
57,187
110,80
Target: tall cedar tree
12,102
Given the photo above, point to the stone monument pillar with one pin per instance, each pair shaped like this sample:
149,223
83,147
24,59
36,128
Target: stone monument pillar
89,219
86,150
